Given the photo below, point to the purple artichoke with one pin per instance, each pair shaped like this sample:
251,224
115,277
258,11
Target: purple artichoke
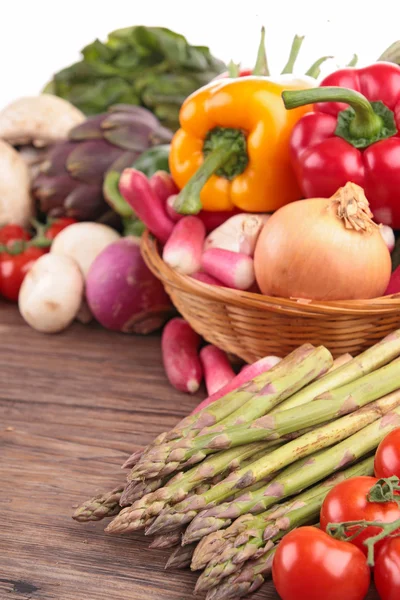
70,179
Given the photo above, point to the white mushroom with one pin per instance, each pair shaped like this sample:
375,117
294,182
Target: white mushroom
51,293
16,205
38,120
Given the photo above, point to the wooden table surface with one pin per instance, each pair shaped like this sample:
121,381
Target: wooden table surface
72,407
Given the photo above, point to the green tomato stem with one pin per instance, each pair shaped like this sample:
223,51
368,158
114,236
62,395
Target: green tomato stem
340,531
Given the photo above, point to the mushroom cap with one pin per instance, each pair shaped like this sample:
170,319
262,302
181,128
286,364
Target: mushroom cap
38,120
16,204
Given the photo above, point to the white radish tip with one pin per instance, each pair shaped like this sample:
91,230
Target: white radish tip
193,386
244,276
388,237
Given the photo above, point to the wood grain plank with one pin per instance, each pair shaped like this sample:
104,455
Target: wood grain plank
72,408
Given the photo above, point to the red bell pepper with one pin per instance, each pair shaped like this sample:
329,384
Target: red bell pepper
352,135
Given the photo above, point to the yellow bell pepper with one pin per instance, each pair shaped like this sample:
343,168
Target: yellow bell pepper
232,149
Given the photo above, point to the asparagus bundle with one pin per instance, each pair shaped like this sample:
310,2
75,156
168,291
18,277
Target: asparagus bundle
138,515
239,473
252,401
343,400
309,443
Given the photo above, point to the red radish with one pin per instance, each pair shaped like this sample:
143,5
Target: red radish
137,191
394,283
205,278
179,346
217,368
234,269
184,247
238,234
246,374
211,220
171,212
388,236
163,185
122,293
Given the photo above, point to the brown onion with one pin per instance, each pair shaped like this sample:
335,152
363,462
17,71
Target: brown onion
323,249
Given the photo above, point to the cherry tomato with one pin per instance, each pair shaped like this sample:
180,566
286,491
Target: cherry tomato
13,268
13,233
387,457
57,226
387,570
347,501
311,565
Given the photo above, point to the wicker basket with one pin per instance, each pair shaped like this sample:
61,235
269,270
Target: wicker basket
252,326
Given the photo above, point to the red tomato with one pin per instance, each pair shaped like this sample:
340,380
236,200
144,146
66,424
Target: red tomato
311,565
13,233
387,570
347,501
387,457
13,268
57,226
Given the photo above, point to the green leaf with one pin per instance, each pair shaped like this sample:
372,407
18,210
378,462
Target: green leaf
97,51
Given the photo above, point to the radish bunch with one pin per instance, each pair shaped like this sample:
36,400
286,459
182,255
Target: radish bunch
216,248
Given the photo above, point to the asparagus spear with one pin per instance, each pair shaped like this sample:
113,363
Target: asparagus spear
229,403
245,581
135,517
244,527
134,490
349,450
99,507
133,459
167,540
164,458
181,557
230,562
373,358
343,400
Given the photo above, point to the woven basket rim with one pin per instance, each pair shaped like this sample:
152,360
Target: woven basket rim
150,252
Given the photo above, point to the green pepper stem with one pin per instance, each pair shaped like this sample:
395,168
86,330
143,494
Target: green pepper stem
314,70
261,66
294,52
188,200
366,122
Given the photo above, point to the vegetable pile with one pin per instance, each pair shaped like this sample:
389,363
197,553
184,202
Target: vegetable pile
236,489
278,185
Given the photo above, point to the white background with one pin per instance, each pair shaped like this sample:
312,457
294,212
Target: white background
38,37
